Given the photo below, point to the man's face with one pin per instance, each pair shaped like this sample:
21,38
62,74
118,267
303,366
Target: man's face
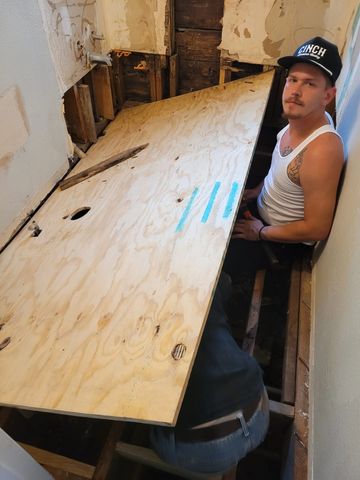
306,91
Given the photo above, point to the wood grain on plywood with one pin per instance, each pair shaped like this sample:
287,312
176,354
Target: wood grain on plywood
105,308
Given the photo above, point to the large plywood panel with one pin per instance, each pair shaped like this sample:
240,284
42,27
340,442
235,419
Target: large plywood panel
137,25
96,308
70,27
261,31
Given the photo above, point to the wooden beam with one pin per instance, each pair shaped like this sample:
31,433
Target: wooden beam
225,71
104,463
254,313
301,420
73,115
170,27
281,409
119,84
148,457
102,92
292,327
100,167
173,75
159,77
59,461
150,60
87,112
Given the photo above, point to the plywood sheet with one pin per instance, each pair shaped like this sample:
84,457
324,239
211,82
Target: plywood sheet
105,313
261,31
69,27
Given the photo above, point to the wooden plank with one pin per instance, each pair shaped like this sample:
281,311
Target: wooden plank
173,66
97,307
150,59
170,27
301,420
225,75
85,106
159,77
104,462
136,80
73,115
198,59
254,313
59,461
102,92
281,409
119,85
291,340
100,167
148,457
199,14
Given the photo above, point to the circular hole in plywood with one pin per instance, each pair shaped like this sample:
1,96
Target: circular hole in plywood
79,213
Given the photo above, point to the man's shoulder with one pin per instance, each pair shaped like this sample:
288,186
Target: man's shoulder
326,148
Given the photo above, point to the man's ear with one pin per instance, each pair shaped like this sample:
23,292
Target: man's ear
329,95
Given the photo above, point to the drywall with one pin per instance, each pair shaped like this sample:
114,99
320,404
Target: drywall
16,463
335,373
137,25
261,31
70,29
33,138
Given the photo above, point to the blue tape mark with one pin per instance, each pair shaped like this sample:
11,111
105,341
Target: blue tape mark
211,201
231,200
186,212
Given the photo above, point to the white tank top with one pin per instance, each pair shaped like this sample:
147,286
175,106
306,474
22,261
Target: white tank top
281,200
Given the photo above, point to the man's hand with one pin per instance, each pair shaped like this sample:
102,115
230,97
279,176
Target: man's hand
247,229
249,195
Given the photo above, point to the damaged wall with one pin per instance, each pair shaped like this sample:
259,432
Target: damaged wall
137,25
335,377
69,28
33,137
263,30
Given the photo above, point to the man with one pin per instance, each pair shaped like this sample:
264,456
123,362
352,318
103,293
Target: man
296,201
295,204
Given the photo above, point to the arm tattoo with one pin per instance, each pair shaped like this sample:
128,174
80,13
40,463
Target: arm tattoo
293,169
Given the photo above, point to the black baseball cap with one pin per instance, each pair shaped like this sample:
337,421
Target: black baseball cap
318,52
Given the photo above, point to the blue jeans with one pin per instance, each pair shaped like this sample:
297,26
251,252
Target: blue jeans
215,456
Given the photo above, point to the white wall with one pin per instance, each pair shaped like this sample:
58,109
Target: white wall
33,137
335,372
16,464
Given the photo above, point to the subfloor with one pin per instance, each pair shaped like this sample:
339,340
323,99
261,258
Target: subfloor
83,438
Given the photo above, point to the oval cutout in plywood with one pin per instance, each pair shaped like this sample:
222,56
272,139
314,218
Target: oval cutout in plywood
178,351
79,213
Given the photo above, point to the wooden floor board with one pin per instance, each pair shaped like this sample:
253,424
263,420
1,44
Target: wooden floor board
105,312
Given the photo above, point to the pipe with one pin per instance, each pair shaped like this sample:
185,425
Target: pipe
98,58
